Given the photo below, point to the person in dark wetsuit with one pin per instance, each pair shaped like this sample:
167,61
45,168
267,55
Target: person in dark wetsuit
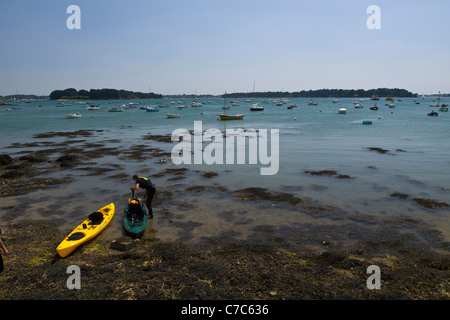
149,188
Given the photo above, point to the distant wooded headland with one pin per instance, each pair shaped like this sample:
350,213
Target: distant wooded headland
101,94
114,94
328,93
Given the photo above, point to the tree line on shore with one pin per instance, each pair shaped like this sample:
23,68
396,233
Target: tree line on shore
101,94
114,94
327,93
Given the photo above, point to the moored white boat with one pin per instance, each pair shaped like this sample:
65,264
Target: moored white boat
197,104
73,115
255,107
116,109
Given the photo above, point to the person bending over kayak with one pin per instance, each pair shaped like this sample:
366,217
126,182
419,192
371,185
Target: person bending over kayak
149,188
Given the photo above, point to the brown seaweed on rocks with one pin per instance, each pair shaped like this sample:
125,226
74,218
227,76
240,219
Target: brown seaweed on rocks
74,134
68,160
426,203
430,203
329,173
157,137
209,174
378,150
256,194
176,172
264,268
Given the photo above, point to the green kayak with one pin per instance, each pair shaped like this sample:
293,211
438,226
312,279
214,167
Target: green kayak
135,218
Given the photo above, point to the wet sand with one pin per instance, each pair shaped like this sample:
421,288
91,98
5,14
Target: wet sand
323,253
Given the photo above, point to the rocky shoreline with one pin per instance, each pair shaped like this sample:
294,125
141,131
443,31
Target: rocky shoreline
302,261
217,269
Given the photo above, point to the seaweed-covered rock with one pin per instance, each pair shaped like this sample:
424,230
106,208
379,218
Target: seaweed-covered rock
5,159
68,161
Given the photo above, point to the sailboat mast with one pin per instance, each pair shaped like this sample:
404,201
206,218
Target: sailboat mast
225,102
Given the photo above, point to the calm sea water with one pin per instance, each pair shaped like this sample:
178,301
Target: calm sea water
311,138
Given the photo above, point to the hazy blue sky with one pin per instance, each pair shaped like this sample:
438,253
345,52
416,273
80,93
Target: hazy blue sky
212,46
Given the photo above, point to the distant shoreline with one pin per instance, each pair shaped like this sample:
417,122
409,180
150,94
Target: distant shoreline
114,94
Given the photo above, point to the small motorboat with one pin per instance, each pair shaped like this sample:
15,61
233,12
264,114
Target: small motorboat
173,115
152,109
73,115
342,110
433,114
93,107
118,109
366,122
374,107
255,107
197,104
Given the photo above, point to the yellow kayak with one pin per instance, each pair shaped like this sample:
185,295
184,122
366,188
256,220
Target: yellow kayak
88,229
